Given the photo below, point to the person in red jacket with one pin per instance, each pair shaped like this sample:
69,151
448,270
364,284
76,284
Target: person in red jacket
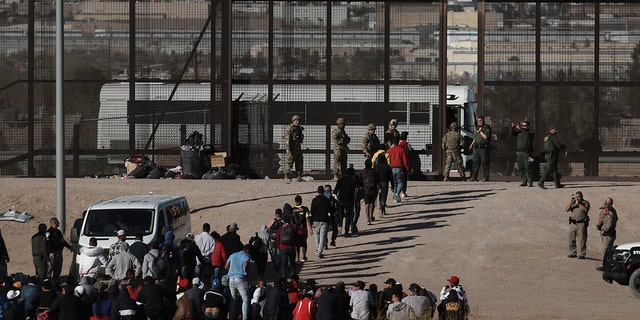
399,167
306,308
218,257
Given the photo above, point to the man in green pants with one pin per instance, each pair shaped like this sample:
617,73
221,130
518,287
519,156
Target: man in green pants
481,143
340,140
451,144
524,148
293,138
552,148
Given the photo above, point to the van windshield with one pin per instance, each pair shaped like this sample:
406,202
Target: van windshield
107,222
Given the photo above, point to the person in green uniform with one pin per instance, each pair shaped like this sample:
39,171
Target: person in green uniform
524,149
340,141
370,141
481,144
293,138
552,148
39,251
452,143
391,133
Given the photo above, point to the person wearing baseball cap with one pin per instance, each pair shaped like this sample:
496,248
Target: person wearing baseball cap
370,141
453,287
390,286
391,133
115,247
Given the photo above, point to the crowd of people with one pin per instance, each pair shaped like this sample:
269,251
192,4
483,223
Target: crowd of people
206,276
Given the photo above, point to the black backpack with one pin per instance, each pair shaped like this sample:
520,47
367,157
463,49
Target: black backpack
159,266
287,235
298,219
273,230
256,243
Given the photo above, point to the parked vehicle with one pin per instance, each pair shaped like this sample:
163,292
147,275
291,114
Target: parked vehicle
148,215
622,265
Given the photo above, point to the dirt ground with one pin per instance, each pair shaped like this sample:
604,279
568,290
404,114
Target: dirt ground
508,244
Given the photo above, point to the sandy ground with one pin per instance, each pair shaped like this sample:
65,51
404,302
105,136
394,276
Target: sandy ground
508,244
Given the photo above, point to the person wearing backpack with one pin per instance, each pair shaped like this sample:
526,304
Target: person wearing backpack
286,240
385,176
259,243
149,261
370,181
273,227
300,218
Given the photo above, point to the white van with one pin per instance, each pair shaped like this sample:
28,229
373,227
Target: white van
148,215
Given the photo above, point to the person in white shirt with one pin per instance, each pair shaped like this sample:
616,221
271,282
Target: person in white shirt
361,302
258,299
206,244
90,259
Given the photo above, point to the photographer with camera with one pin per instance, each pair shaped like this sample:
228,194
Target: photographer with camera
578,223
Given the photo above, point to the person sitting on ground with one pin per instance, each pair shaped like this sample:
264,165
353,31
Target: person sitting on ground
421,304
454,286
214,302
398,310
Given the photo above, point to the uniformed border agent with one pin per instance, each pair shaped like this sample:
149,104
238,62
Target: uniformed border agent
340,141
293,138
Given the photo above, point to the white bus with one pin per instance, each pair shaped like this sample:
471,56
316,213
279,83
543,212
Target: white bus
414,106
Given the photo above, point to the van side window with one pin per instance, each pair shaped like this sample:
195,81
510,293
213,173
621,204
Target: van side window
161,221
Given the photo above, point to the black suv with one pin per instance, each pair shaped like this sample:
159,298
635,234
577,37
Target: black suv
622,265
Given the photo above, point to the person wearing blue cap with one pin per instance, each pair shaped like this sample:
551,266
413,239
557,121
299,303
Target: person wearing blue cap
214,302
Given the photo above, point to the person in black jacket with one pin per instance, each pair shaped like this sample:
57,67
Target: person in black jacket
276,300
231,240
327,304
67,306
152,297
345,189
56,243
385,177
4,258
321,213
190,255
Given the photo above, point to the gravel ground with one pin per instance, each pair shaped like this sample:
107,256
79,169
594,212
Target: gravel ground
508,244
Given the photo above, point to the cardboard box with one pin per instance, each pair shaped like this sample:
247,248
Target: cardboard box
219,159
130,166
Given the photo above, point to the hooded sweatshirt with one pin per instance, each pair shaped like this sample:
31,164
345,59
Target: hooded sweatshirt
400,311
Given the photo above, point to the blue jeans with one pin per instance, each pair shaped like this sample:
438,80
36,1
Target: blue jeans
217,273
398,178
239,286
287,256
320,230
